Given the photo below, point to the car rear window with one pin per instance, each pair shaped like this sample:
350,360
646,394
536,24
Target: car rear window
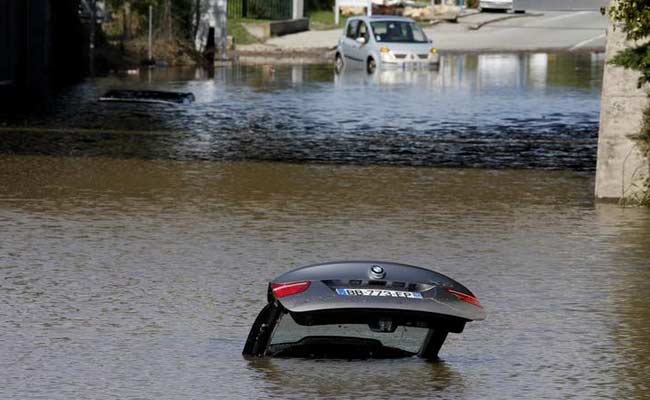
405,338
398,32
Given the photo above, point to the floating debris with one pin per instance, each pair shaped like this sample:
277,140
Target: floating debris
148,96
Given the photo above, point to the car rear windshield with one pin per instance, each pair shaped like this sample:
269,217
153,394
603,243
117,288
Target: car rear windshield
379,338
398,32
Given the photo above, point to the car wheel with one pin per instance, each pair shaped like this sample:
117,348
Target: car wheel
338,63
372,65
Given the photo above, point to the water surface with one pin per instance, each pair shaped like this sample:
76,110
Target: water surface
136,242
488,110
140,278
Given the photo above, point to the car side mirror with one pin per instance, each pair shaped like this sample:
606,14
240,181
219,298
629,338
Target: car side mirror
361,40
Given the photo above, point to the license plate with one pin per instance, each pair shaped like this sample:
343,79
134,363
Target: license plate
378,293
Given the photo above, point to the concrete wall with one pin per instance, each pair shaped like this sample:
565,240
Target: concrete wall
620,166
279,28
559,5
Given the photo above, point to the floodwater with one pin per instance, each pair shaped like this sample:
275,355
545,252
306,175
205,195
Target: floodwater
138,275
496,111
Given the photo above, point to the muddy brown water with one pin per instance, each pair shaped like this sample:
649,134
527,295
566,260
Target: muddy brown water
139,277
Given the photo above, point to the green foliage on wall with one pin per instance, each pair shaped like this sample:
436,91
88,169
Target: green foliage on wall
633,17
636,58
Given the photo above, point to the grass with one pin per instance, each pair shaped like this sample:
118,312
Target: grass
318,21
643,136
239,34
324,20
640,188
642,139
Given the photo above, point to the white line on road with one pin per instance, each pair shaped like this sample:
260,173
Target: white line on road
538,21
586,42
543,20
559,17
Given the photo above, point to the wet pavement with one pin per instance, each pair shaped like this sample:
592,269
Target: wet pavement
136,243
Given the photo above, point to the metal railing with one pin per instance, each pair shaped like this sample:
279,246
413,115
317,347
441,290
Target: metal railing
260,9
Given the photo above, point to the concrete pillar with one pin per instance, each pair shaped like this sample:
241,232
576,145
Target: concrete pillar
298,9
222,29
213,19
337,12
621,168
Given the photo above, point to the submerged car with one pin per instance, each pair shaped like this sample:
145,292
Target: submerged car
384,41
360,309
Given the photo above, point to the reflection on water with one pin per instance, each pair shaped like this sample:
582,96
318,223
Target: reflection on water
631,331
500,110
322,379
132,278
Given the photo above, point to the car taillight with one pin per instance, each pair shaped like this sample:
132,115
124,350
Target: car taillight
466,297
281,290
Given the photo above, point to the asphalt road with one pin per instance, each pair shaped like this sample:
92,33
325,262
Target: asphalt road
548,30
535,30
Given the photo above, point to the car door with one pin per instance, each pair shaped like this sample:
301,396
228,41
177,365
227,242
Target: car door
362,50
348,42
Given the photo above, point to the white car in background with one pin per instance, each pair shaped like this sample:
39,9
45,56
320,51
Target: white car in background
384,41
498,5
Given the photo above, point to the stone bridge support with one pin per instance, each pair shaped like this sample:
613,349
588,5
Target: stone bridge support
621,169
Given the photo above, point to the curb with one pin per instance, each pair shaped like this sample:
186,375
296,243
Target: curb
468,14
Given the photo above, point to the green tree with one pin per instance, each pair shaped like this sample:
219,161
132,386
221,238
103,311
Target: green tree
633,17
172,18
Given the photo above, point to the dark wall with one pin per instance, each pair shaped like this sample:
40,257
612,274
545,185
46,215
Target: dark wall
7,51
69,42
41,46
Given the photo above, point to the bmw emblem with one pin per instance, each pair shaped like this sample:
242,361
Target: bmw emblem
376,272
